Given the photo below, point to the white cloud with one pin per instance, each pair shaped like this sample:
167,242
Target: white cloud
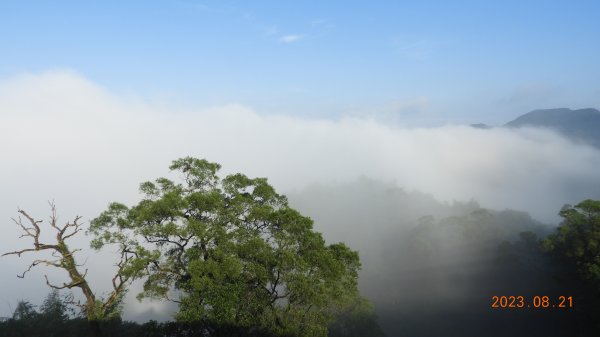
63,126
290,38
63,137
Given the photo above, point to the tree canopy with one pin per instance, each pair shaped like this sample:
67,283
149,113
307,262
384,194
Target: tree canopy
231,251
578,238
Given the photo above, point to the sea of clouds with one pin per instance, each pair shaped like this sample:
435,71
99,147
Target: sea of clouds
67,139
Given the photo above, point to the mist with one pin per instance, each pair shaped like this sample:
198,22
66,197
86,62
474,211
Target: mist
67,139
428,261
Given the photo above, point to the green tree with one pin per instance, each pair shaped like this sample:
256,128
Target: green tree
357,319
578,238
54,315
575,251
24,311
54,307
25,322
232,252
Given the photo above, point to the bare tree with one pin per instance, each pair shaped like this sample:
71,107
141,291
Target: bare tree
63,257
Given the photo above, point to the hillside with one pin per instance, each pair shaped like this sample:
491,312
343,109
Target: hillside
581,125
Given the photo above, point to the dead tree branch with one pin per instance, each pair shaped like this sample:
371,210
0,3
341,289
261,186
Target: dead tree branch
65,260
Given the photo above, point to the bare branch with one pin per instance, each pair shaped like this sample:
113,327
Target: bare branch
19,252
171,300
75,231
65,285
53,217
27,230
53,286
65,259
26,271
69,299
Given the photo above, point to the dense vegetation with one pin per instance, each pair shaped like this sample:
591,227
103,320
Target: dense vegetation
432,268
230,252
239,261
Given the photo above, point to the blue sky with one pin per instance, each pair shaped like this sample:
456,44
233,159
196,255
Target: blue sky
414,63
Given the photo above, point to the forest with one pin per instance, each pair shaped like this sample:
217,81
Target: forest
238,260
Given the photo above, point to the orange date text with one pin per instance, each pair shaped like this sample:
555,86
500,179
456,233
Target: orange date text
536,302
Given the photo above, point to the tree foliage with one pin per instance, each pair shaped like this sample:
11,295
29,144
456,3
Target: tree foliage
357,319
54,307
578,238
232,252
24,310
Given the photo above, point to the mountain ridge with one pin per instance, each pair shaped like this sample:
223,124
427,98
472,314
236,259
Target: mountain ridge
581,125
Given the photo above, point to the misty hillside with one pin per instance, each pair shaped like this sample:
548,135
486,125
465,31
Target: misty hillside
581,125
431,261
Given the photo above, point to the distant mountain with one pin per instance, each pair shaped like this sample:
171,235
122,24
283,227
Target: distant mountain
581,125
481,126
